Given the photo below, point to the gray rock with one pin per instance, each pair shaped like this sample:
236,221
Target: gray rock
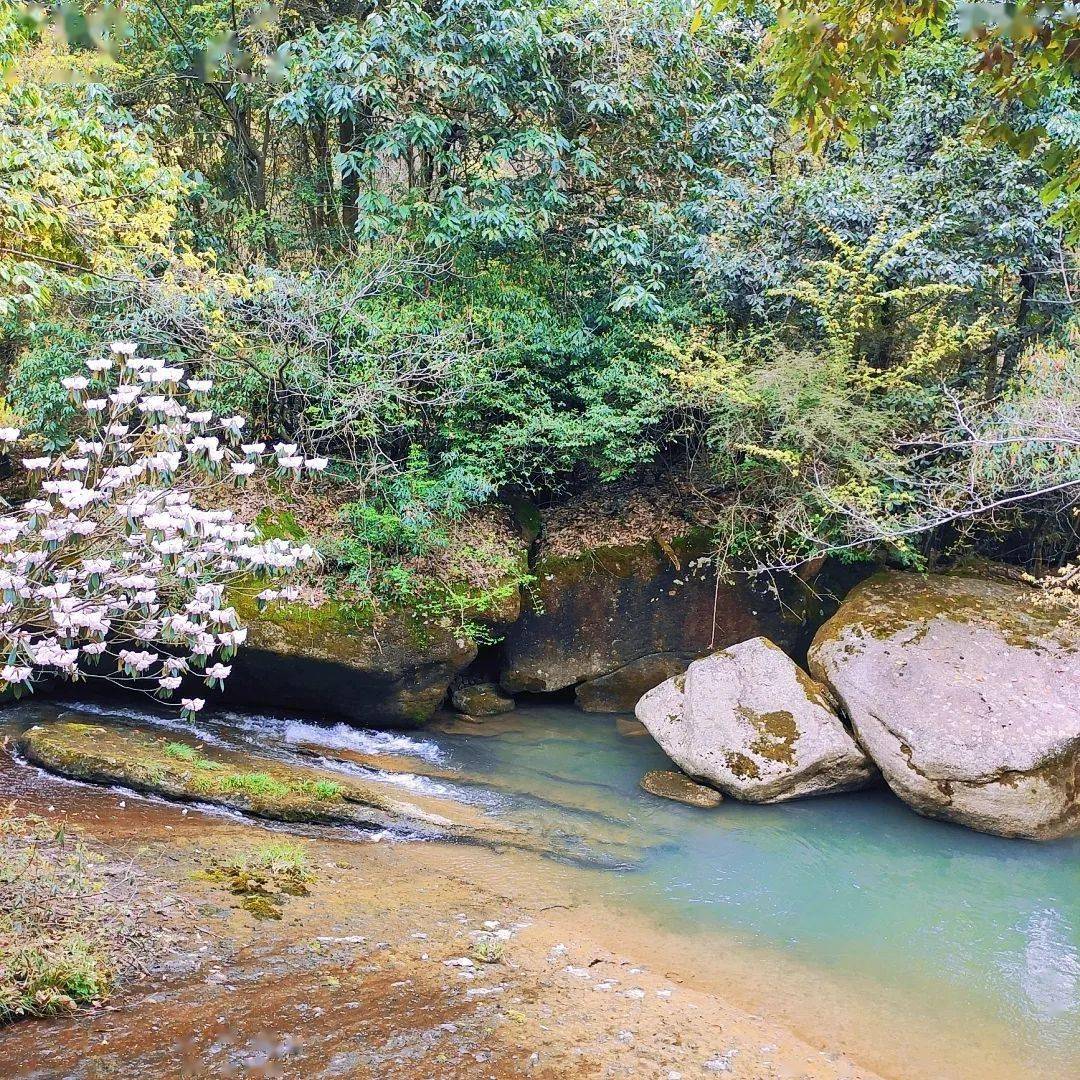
750,722
966,693
480,699
621,689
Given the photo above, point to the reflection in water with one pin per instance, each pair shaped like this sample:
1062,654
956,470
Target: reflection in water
1050,976
956,926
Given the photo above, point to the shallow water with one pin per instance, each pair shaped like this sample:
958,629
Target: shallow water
968,942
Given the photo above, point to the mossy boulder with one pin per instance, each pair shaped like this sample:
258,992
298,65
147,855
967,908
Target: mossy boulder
616,621
965,690
749,721
390,669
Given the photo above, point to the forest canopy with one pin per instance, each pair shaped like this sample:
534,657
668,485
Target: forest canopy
812,263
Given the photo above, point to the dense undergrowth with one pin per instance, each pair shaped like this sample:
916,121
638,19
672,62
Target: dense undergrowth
485,257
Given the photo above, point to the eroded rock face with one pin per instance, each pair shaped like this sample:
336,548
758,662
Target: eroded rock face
749,721
617,621
621,690
393,671
966,693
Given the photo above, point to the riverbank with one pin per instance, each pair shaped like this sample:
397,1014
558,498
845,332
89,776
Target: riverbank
848,935
372,973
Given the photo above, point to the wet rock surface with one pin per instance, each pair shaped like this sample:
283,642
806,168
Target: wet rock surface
965,691
669,784
183,770
750,722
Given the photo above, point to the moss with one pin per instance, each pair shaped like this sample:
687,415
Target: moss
279,525
742,766
777,734
891,603
262,907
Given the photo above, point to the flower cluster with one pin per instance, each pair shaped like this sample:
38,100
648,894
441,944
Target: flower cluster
117,569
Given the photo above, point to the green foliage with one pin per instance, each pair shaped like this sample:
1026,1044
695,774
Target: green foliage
479,253
84,193
831,61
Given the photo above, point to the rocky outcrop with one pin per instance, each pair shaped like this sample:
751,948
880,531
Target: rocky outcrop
390,670
750,722
966,693
669,784
181,769
480,699
616,621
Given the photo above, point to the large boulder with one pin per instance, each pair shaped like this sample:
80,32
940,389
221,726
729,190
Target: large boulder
616,621
966,693
389,670
750,722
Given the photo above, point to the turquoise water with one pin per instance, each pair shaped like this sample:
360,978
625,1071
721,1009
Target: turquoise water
856,883
973,940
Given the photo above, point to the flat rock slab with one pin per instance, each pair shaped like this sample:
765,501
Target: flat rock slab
965,690
669,784
184,770
749,721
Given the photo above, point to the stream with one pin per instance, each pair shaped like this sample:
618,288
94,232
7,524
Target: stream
849,913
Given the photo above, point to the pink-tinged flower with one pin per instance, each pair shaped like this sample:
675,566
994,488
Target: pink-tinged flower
219,671
36,464
15,674
200,386
170,682
98,366
74,383
123,348
192,704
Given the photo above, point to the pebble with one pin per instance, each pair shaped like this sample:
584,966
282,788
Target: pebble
721,1063
577,972
635,993
459,962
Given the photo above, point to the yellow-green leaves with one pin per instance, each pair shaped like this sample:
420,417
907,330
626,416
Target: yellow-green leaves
82,193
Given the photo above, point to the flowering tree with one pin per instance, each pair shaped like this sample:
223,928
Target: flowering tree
118,568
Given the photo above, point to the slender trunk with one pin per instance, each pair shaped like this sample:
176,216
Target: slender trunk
1011,354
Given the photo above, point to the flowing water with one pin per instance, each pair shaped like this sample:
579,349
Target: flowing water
963,949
